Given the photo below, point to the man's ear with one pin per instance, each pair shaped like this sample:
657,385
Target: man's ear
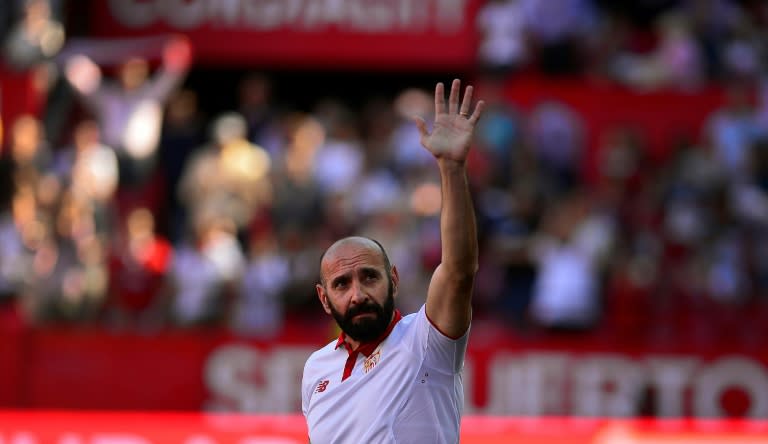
323,297
395,280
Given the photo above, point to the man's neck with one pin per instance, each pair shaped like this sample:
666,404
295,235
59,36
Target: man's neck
354,344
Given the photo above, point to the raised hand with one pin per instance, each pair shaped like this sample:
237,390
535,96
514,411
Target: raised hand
454,124
83,74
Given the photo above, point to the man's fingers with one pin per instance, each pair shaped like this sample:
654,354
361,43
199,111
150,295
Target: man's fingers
453,98
421,125
439,98
466,101
478,111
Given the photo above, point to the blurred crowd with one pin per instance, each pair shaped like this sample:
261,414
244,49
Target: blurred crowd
152,214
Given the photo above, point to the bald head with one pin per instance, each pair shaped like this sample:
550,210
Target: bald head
347,246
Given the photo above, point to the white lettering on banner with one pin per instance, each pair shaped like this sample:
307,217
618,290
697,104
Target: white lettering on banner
606,385
445,16
226,12
133,14
183,14
270,14
241,378
670,376
726,373
450,14
531,384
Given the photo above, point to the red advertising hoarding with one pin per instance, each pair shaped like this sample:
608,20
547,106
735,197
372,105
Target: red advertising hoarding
504,375
335,34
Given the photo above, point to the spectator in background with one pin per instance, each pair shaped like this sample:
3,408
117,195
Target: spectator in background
678,56
203,274
228,178
130,111
12,249
409,159
560,33
90,170
27,72
255,104
676,60
500,135
712,22
555,134
503,47
138,266
183,133
35,38
509,219
338,166
574,241
30,153
339,160
299,204
743,54
732,130
259,306
68,282
761,108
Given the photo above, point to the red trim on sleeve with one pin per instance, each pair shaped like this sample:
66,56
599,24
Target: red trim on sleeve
454,338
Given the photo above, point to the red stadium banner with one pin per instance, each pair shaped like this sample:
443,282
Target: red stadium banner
62,427
211,371
338,34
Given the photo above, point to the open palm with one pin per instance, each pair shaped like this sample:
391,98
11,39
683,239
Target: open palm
451,134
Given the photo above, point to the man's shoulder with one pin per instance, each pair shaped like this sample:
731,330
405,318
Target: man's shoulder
329,349
409,319
407,324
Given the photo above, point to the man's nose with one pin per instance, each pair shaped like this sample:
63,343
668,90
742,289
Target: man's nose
358,295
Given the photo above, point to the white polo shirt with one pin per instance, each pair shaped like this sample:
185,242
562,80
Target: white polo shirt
404,388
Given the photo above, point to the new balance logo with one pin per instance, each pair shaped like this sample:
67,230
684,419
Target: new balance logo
322,386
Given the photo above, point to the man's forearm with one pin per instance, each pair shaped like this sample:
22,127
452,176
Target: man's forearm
458,227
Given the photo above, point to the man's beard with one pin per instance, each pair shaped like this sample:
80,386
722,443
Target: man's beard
366,329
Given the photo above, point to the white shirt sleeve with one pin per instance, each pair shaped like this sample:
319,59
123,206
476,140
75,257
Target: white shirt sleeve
441,352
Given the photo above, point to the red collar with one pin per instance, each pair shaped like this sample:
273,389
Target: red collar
367,348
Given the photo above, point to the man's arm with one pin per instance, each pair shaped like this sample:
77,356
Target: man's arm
176,62
450,292
85,78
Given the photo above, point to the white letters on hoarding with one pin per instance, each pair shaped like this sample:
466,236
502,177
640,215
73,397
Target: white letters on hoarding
670,376
727,372
243,378
446,16
606,385
526,384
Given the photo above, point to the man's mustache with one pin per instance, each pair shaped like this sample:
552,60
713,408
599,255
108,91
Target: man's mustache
362,309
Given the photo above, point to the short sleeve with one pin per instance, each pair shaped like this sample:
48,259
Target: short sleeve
441,352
